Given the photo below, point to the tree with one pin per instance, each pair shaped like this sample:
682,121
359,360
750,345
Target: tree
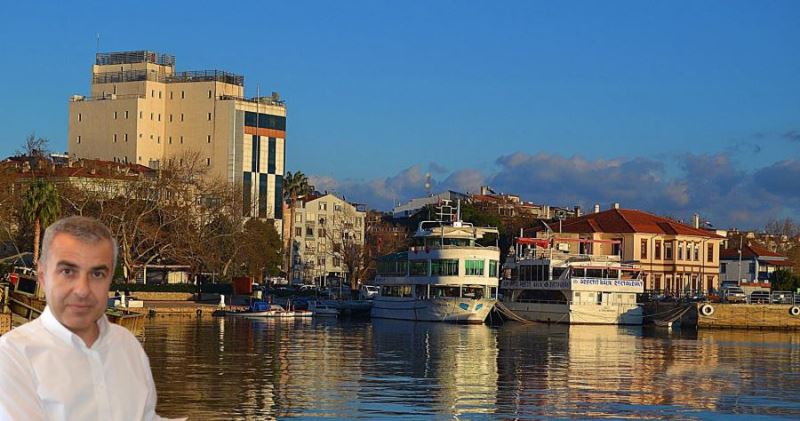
40,207
295,185
784,280
35,147
260,251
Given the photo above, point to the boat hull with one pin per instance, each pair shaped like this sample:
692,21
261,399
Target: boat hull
578,313
453,310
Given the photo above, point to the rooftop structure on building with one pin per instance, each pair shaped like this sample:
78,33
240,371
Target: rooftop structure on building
141,110
413,206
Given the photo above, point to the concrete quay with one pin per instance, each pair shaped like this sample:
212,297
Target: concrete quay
730,316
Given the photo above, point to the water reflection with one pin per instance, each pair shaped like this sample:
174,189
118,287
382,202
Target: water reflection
339,369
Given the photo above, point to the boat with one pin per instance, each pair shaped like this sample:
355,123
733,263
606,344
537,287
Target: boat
26,302
569,280
259,309
449,273
320,309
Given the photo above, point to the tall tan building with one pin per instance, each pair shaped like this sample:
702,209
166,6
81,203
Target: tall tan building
142,111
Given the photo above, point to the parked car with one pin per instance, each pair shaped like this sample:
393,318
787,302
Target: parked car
759,297
782,297
367,292
734,295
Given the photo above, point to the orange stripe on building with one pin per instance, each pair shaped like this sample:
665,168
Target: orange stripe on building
265,132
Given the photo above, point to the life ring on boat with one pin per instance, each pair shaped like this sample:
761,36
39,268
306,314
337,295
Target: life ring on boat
794,311
707,309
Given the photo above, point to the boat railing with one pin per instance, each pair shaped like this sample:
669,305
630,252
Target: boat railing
572,257
418,249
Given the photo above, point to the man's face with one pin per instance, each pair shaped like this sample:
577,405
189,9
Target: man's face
76,277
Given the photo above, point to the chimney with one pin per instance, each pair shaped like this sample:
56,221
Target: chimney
615,205
596,208
696,220
578,212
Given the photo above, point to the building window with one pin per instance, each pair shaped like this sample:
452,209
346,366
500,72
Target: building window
321,232
667,250
151,116
710,254
115,115
323,206
158,139
159,94
680,250
140,135
183,95
473,267
723,268
170,118
309,231
126,115
644,249
126,137
140,114
181,140
159,116
208,162
657,251
152,93
115,138
209,93
140,159
444,267
181,116
298,231
209,116
79,139
170,140
208,139
697,252
80,117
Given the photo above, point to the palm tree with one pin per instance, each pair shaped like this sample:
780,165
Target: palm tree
41,207
295,185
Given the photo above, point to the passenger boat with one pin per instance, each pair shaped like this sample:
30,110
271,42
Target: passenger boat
447,275
564,280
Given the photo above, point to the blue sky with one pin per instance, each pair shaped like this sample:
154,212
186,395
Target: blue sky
670,107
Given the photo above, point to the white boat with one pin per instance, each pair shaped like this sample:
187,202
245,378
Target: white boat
445,276
319,309
568,280
259,309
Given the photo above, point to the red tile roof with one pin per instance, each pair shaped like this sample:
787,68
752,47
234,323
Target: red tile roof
749,251
630,221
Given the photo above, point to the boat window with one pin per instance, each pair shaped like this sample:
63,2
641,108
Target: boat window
493,268
444,267
421,291
613,273
475,292
557,272
444,291
418,267
594,273
473,267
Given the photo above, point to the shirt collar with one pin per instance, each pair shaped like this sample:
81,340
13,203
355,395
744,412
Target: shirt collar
65,335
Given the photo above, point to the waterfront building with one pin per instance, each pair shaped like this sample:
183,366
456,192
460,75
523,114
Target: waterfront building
142,111
750,264
325,232
510,206
675,258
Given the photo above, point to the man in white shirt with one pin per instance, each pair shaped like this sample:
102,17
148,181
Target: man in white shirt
71,363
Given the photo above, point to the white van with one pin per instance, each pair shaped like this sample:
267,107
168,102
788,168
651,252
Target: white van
367,292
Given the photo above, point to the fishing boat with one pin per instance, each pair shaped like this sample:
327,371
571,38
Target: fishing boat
259,309
449,273
566,280
320,309
26,301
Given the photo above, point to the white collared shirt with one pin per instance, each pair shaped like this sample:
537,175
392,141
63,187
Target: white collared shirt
48,373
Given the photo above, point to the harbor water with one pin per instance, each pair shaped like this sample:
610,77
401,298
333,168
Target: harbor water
223,369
